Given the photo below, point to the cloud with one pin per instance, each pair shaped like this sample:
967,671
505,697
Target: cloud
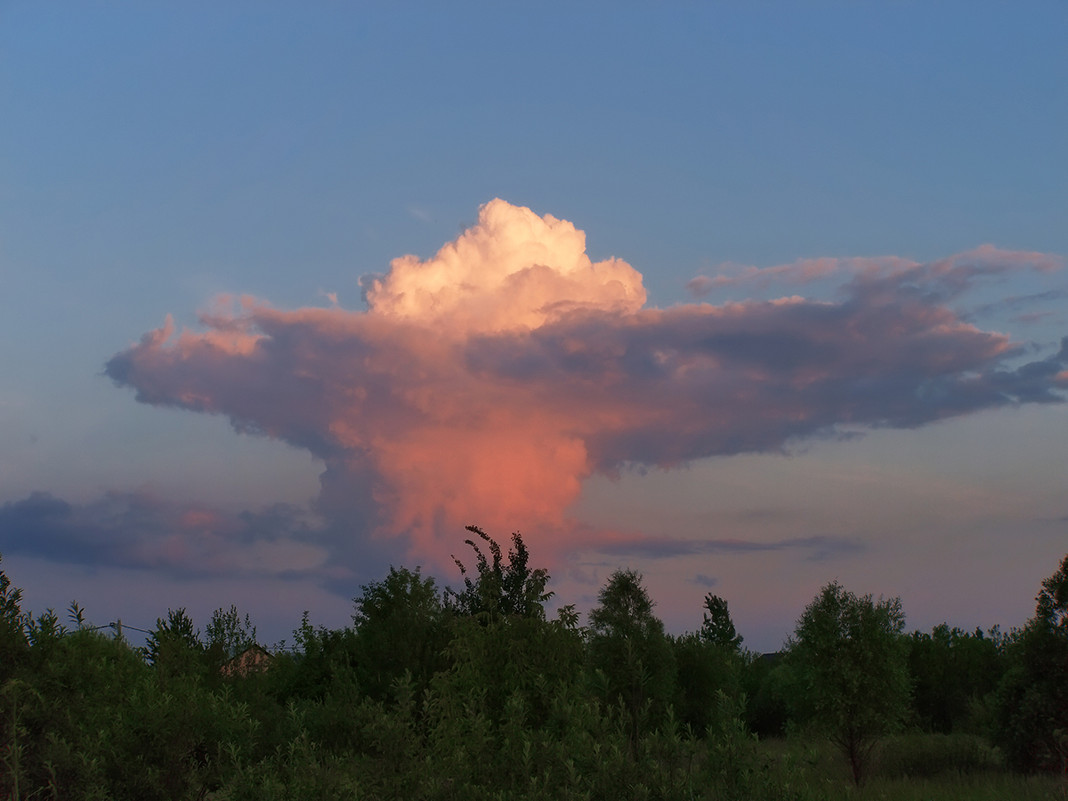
817,548
138,530
485,384
802,271
513,271
952,273
1020,302
419,213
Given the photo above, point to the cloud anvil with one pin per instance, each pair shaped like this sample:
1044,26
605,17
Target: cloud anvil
489,381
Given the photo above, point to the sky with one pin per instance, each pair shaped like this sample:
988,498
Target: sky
746,297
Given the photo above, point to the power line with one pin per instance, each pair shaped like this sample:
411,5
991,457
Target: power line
118,626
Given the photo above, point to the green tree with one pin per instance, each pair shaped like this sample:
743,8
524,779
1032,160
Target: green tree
954,675
852,660
630,652
323,656
1033,725
174,647
228,634
94,722
501,645
768,681
400,626
705,674
501,588
709,668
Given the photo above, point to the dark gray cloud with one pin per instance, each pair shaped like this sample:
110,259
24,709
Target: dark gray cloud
689,383
138,530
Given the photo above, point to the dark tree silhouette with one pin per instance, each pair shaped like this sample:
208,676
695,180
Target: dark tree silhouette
717,627
501,589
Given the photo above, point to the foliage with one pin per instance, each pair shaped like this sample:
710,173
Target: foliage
95,724
227,634
709,667
76,615
433,697
1052,610
769,683
500,589
717,627
705,673
1033,697
954,673
401,627
523,661
325,658
13,643
850,654
632,656
174,647
738,768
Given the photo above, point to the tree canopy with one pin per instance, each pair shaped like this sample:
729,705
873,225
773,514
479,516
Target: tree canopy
1034,694
476,693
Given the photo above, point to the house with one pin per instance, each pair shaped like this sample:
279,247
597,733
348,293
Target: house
254,659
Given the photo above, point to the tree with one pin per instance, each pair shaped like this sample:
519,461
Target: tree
718,628
174,647
502,649
13,643
512,589
227,634
1034,693
630,650
400,626
768,681
954,673
706,674
709,668
852,660
1052,609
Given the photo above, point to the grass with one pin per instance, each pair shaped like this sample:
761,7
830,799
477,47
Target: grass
912,767
961,787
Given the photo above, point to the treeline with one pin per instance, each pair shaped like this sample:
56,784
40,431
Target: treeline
476,692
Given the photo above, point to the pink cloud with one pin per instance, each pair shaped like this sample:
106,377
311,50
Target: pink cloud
485,384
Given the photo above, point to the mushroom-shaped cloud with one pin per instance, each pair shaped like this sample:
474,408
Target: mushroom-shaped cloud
486,383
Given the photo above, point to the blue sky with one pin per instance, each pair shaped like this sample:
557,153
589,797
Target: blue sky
155,157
